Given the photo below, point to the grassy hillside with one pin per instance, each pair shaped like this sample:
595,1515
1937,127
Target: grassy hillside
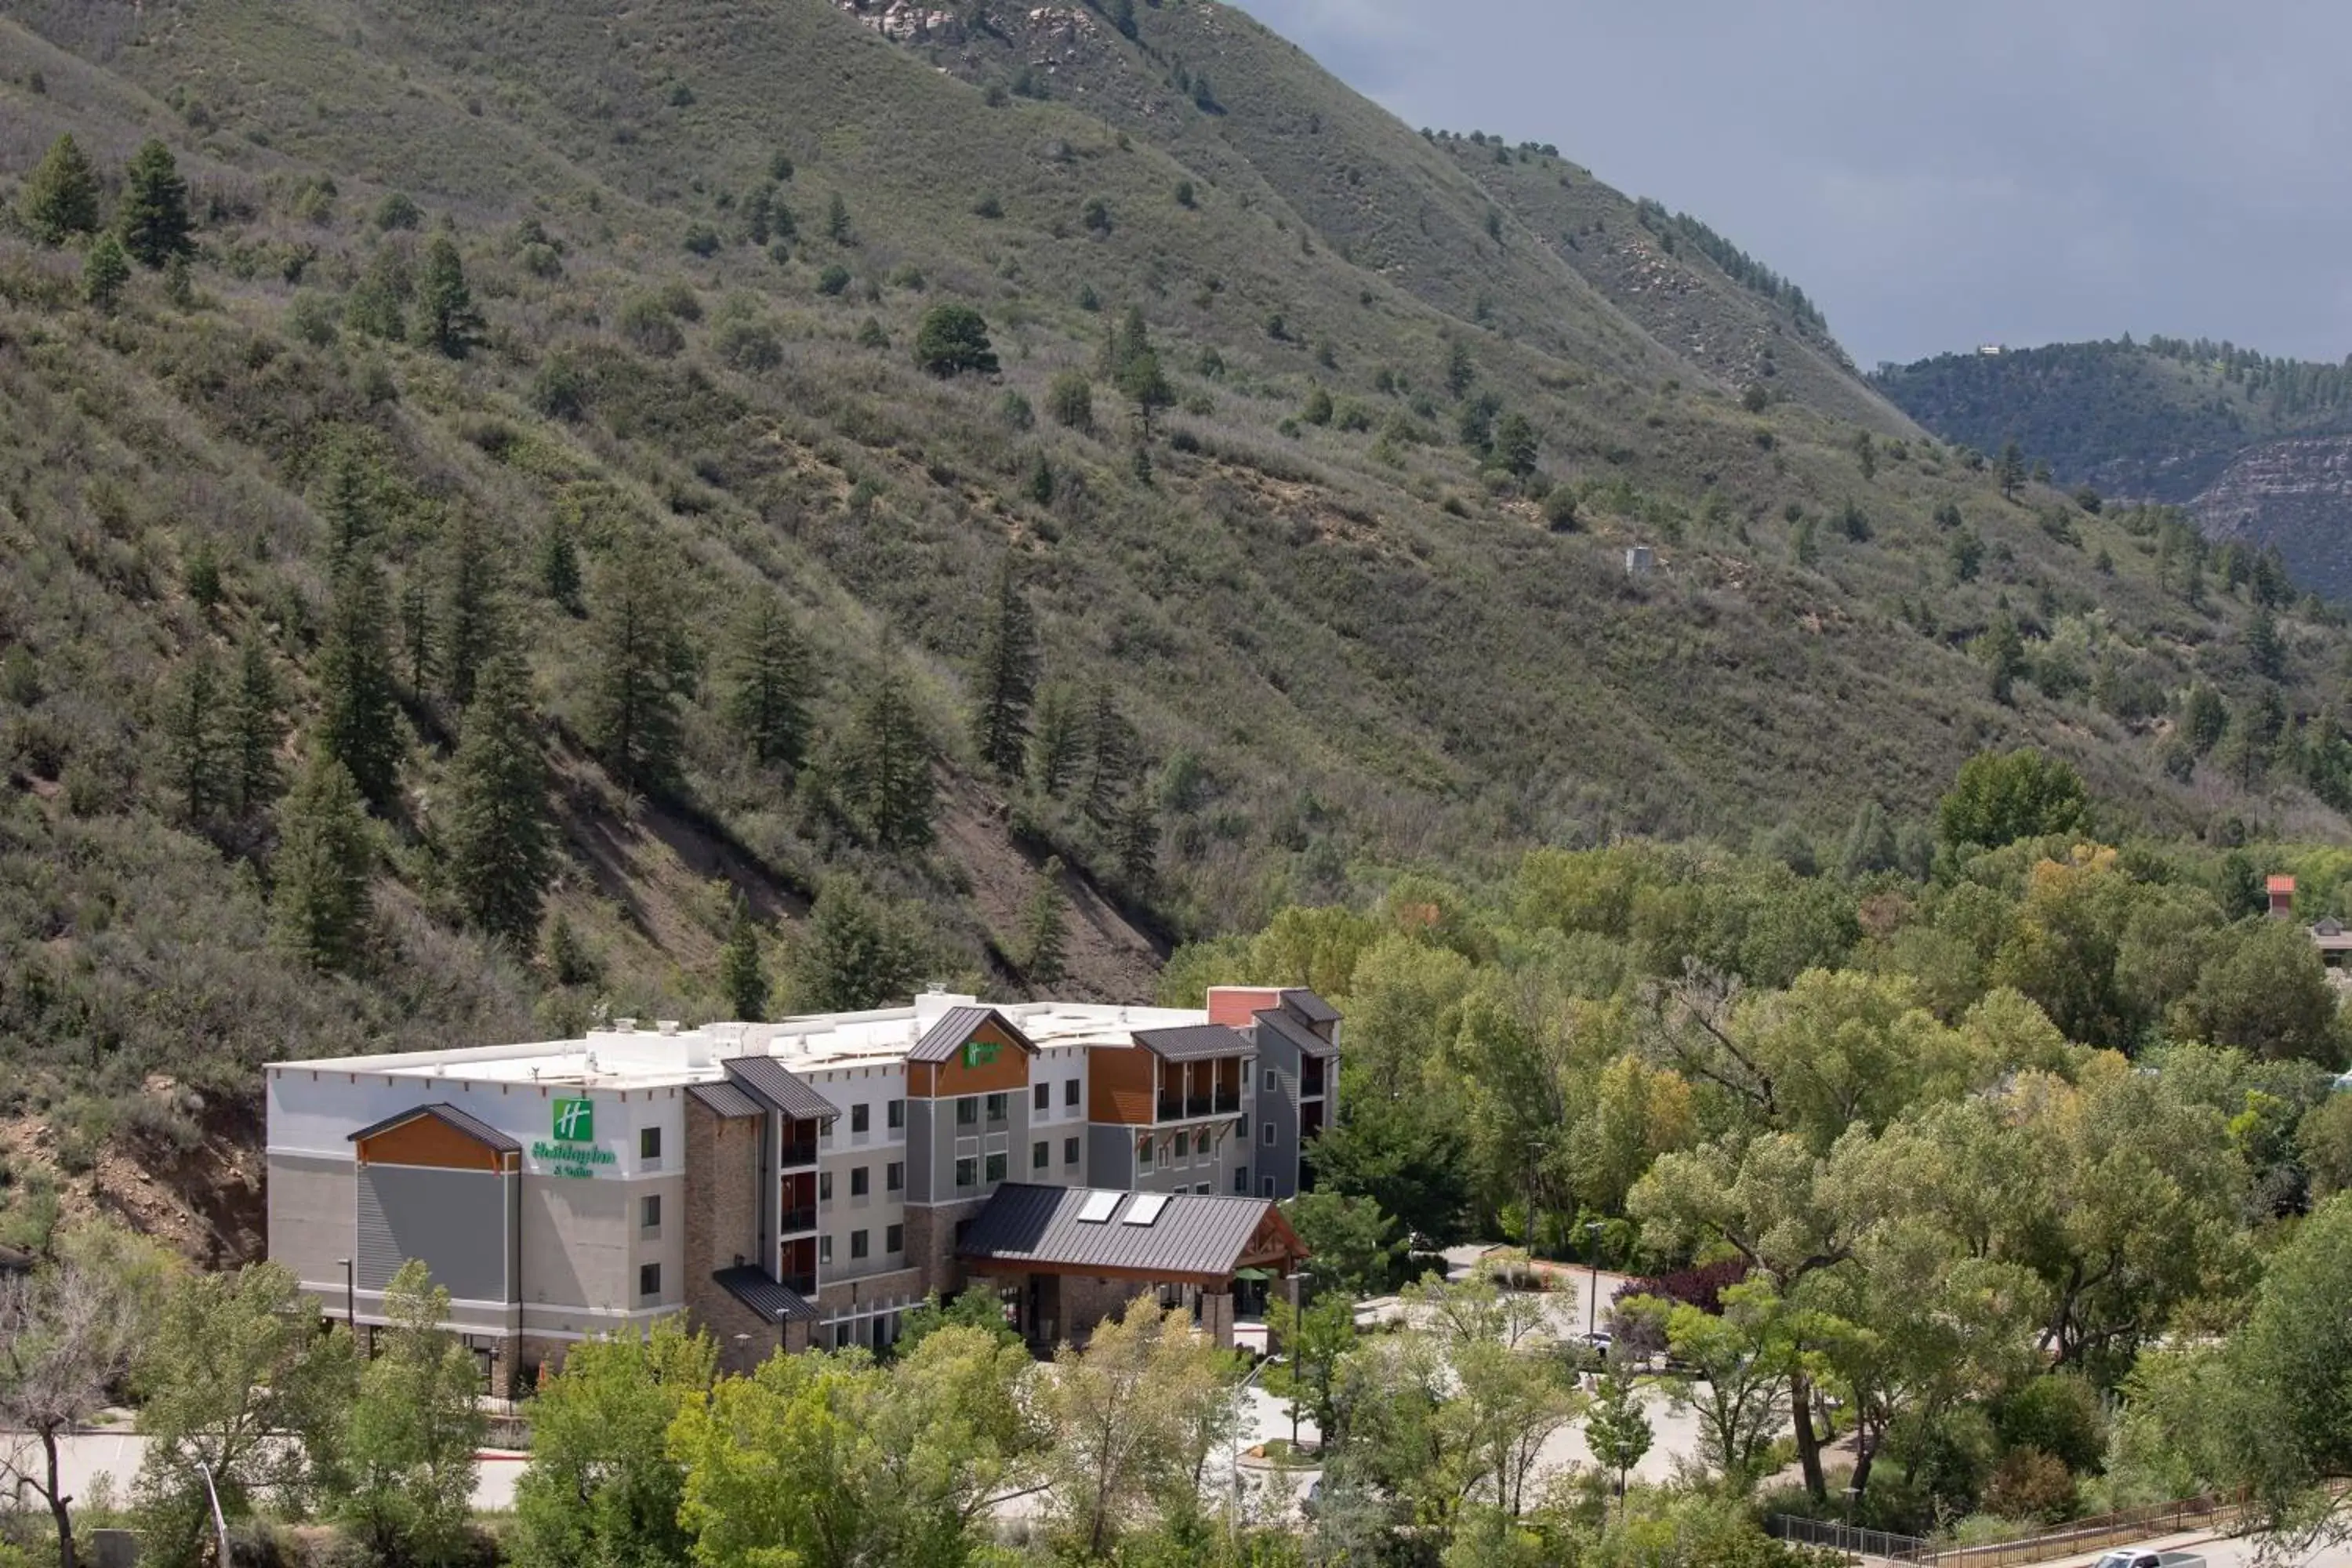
1345,631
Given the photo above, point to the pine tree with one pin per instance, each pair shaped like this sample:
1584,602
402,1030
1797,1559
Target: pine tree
447,321
1461,370
59,199
1058,741
559,567
1005,680
257,726
1145,384
498,844
640,669
2009,471
742,973
2265,651
1045,928
886,773
860,952
192,738
105,273
416,634
2003,652
154,217
346,504
770,682
472,611
836,220
1136,837
1110,760
568,960
320,907
359,718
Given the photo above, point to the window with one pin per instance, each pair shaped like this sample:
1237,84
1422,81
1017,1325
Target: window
649,1213
649,1279
825,1249
894,1238
894,1176
996,1107
968,1111
995,1168
1042,1096
1265,1186
1201,1141
861,1117
649,1145
1241,1126
1069,1091
825,1186
1041,1154
857,1243
1143,1154
1270,1082
1205,1188
1268,1138
860,1181
894,1112
1240,1180
1069,1151
967,1172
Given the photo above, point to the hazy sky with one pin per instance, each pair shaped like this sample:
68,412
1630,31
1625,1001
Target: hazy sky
1934,175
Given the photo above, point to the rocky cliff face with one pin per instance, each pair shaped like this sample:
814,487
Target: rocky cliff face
2295,494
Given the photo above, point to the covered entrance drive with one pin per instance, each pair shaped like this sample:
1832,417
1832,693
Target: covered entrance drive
1071,1257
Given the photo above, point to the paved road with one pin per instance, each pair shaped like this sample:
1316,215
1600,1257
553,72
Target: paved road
117,1455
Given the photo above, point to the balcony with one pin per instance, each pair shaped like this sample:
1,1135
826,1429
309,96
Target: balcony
798,1153
1229,1101
794,1221
1310,1079
803,1283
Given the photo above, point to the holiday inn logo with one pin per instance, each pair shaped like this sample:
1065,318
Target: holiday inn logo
979,1053
575,1121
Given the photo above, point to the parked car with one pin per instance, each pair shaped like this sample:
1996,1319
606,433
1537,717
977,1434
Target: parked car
2147,1557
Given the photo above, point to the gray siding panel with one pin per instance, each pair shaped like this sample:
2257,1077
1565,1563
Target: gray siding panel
1110,1156
455,1222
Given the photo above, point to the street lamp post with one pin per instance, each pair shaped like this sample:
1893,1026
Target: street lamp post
1297,1334
1592,1265
1535,1161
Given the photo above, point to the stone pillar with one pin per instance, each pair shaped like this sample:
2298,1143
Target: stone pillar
796,1335
506,1359
1217,1316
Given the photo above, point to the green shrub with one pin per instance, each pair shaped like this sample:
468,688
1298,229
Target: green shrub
750,345
833,280
1071,400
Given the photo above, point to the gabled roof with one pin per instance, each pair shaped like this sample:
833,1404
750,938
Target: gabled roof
944,1039
725,1101
1192,1237
772,1081
771,1299
1194,1042
1311,1006
473,1127
1285,1024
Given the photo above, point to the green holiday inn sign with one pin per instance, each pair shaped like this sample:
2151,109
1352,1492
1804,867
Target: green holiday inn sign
979,1053
574,1151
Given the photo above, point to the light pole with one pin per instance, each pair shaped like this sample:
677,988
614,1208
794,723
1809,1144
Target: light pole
1535,1163
1592,1264
1297,1334
220,1523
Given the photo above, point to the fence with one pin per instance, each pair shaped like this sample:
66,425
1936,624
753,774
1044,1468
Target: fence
2079,1538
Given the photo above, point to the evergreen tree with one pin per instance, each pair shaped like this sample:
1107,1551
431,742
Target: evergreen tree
59,198
1110,759
359,718
770,682
497,837
568,960
347,504
257,726
105,273
320,910
416,639
1004,681
559,568
2265,651
192,738
1058,742
472,612
447,321
836,220
1870,843
1145,384
1045,928
1461,370
2009,471
859,953
742,973
2002,653
640,670
1136,836
153,222
886,773
1516,445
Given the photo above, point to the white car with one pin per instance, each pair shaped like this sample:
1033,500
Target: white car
2143,1557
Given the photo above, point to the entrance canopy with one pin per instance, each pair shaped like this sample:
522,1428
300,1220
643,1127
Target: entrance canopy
1183,1238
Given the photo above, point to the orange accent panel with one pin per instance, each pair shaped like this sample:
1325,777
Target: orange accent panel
1008,1072
1235,1007
427,1141
1119,1085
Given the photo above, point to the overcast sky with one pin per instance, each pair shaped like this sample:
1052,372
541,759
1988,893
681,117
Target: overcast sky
1936,176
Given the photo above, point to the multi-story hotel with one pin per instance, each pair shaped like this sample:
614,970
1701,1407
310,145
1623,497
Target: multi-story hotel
804,1183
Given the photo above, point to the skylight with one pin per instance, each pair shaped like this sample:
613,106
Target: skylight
1099,1208
1145,1208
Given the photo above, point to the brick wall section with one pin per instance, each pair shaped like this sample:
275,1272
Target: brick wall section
724,1316
722,1222
931,1245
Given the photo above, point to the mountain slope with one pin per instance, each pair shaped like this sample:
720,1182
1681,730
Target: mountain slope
1349,625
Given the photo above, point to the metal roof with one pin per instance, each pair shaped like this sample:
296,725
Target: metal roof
724,1099
772,1300
473,1127
944,1039
1308,1042
776,1083
1195,1042
1193,1237
1310,1006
